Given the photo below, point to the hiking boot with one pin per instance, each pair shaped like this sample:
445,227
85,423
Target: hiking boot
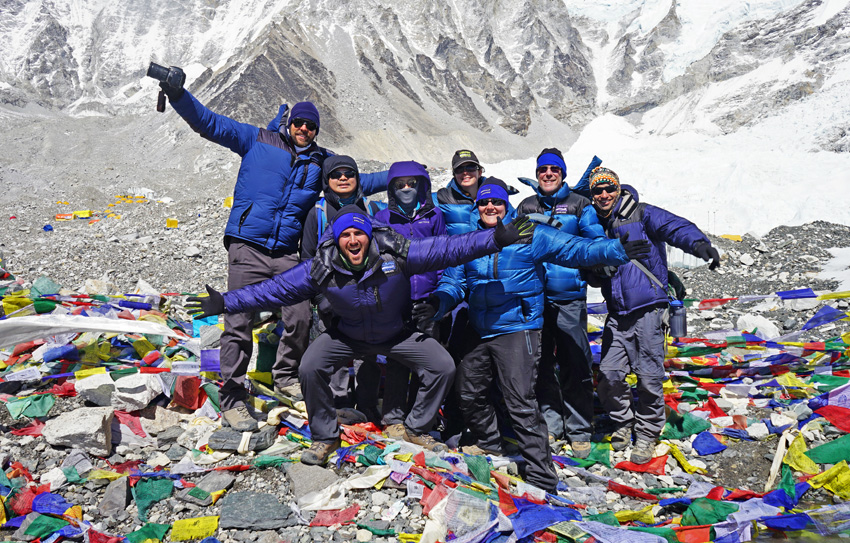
642,452
475,450
319,452
581,449
394,431
239,418
292,391
425,441
621,438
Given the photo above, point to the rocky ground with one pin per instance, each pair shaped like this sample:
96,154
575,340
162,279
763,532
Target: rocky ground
119,252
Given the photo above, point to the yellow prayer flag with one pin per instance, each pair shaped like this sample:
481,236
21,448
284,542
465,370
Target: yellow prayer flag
88,372
217,494
669,387
143,347
644,515
409,538
834,295
680,458
104,474
2,510
228,202
83,214
193,528
797,459
732,237
171,223
836,479
264,377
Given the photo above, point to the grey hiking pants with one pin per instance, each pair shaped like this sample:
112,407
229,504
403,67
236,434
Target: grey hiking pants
419,352
634,343
247,265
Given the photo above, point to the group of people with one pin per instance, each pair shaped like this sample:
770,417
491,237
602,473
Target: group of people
478,307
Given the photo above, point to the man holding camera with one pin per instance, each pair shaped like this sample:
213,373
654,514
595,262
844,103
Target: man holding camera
278,183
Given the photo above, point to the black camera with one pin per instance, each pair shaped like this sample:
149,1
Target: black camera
173,76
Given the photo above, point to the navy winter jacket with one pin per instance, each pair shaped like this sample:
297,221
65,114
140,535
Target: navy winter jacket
629,288
458,209
426,221
276,186
369,305
505,290
576,216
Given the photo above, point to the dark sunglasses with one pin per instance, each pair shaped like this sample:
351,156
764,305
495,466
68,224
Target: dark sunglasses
544,169
610,189
487,201
336,174
399,184
298,123
467,168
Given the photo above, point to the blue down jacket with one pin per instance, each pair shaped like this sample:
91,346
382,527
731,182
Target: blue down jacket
505,290
426,222
459,210
276,185
629,288
370,305
576,216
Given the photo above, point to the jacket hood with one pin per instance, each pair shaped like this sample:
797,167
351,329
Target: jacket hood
411,169
548,200
338,161
279,120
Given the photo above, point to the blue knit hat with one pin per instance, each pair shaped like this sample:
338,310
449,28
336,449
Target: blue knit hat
305,110
552,157
351,216
493,187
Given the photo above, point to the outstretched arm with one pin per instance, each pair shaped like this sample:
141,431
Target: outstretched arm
288,288
236,136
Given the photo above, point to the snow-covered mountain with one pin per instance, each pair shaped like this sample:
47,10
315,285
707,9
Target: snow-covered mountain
405,79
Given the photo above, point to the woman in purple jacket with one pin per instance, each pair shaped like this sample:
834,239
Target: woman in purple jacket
364,273
410,212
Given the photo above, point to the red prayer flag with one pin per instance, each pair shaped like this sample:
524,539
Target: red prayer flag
739,494
419,459
235,467
716,493
431,499
838,416
339,516
32,429
98,537
131,421
693,534
506,503
714,302
629,491
654,466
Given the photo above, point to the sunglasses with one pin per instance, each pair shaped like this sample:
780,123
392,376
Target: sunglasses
400,184
336,174
609,189
544,169
488,201
467,168
298,123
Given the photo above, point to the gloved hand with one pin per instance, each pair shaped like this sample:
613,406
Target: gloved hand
205,306
519,229
707,252
423,313
173,84
635,250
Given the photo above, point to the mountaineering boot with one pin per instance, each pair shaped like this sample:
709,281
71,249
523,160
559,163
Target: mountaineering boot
394,431
621,438
293,391
643,451
239,418
425,441
475,450
319,452
581,449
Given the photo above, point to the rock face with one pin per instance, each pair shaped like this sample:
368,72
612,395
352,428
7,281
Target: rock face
86,428
253,511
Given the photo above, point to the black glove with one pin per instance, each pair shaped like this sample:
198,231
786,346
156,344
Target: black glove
425,310
519,229
205,306
173,84
707,252
635,250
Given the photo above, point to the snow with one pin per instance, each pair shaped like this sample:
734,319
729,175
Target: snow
838,268
747,182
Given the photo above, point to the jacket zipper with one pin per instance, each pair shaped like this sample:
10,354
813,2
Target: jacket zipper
496,266
378,299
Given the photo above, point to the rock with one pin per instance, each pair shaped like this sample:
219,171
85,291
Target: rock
364,535
136,391
380,498
227,439
116,498
789,324
56,478
192,251
802,304
759,325
86,428
747,260
800,410
253,511
169,436
156,419
96,389
304,479
758,431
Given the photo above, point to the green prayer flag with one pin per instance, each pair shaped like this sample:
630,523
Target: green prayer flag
608,517
149,491
149,531
787,483
831,453
73,476
600,453
212,394
199,493
679,426
369,456
479,468
268,461
376,531
44,525
124,372
825,383
667,533
704,511
31,406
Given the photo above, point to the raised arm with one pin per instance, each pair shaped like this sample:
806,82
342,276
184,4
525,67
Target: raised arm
236,136
288,288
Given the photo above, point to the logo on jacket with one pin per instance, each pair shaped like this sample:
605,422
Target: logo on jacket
388,267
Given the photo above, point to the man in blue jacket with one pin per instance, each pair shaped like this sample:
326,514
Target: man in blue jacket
364,272
636,296
568,409
278,182
505,296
